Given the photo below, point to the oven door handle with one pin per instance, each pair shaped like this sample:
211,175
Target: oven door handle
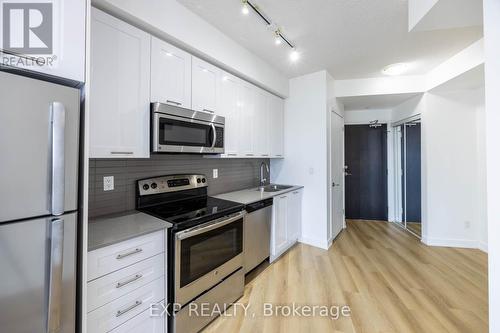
214,135
209,226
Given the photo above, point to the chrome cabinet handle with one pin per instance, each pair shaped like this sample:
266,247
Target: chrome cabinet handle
173,102
248,154
55,275
122,153
232,154
214,135
265,155
57,120
124,255
122,284
129,308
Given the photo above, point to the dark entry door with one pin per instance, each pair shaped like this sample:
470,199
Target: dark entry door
366,173
413,173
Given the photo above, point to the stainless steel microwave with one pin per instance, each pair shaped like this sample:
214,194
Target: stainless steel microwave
178,130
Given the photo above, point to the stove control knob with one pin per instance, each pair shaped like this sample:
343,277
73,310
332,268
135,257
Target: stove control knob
203,180
153,185
145,187
198,180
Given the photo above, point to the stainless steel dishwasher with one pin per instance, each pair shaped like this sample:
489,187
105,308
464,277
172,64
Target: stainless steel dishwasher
257,233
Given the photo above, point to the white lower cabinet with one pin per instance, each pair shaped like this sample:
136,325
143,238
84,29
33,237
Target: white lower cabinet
287,217
142,323
119,297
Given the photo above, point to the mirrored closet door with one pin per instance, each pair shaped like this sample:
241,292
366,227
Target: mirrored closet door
408,179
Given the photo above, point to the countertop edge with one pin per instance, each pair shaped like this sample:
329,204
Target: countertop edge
226,196
105,228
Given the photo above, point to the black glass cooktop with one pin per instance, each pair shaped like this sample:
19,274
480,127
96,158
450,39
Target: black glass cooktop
193,211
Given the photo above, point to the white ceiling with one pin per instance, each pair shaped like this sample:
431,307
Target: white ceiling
350,38
375,101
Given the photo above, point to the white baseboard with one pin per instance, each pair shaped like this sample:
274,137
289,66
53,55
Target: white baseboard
322,244
462,243
482,246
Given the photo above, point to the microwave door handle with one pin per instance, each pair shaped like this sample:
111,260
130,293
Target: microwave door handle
208,226
58,115
214,135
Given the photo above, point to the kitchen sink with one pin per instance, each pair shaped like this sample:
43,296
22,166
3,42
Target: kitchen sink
273,188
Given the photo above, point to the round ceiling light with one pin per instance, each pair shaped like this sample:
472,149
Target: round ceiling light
396,69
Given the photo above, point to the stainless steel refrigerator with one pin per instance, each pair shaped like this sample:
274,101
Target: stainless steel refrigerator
39,154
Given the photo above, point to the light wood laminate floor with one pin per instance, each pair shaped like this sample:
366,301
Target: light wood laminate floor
390,281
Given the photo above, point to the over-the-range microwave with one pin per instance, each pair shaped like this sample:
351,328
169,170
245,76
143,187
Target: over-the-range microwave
179,130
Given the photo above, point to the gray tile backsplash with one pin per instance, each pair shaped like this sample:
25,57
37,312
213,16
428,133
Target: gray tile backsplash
234,174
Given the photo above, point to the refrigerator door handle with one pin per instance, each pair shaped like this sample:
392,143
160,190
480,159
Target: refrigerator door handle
58,115
54,310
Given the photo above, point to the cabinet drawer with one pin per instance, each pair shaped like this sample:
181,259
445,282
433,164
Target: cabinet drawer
111,258
142,323
112,286
113,314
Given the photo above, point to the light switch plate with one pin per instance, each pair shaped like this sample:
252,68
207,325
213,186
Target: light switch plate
108,183
216,173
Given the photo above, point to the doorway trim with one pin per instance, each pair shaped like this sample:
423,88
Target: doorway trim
331,112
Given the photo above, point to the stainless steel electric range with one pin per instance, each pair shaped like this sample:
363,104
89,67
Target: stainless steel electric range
205,246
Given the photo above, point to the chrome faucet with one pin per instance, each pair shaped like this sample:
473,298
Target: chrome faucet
262,179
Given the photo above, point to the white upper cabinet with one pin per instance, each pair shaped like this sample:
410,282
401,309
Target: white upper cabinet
276,126
119,89
261,129
61,52
205,85
229,107
170,74
246,120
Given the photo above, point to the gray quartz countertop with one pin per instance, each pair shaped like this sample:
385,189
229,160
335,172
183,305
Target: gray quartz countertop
253,194
111,229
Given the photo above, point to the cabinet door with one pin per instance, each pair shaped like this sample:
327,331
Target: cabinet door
60,51
279,237
228,101
247,120
294,216
119,90
170,74
261,131
276,126
205,79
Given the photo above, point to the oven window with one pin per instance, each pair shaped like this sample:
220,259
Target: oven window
183,133
205,252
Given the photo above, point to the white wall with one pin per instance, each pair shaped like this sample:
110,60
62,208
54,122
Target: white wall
306,153
365,116
173,22
450,156
492,115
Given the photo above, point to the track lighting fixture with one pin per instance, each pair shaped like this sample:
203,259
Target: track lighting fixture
279,37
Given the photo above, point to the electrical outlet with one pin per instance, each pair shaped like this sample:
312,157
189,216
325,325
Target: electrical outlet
108,183
216,173
467,224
